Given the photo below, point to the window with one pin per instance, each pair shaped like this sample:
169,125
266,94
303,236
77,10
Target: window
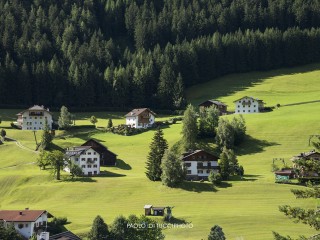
200,171
83,159
27,224
40,117
89,159
95,159
94,153
89,166
248,110
83,166
20,225
188,171
254,110
89,153
77,159
188,164
239,101
208,171
95,165
243,110
94,172
254,105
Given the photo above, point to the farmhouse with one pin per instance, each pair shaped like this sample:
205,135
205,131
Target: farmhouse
34,118
26,222
199,163
248,105
219,105
107,158
311,155
140,118
86,158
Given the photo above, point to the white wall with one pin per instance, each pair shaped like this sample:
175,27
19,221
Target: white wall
251,105
194,168
35,122
134,121
86,167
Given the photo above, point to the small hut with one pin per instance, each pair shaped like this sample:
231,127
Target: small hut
149,210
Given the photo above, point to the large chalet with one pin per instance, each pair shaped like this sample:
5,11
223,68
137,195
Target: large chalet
86,158
34,118
107,158
248,105
199,163
26,222
140,118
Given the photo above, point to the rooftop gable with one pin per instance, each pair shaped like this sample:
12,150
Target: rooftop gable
186,155
22,215
36,108
216,102
138,111
251,98
99,149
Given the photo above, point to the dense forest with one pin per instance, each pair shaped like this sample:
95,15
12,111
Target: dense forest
143,53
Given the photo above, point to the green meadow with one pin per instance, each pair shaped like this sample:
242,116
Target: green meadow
245,209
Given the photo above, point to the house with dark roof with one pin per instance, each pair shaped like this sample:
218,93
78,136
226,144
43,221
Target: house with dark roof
140,118
26,222
219,105
34,118
85,157
311,155
199,164
107,158
64,236
248,105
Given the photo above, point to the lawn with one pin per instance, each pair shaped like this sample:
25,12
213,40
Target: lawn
245,209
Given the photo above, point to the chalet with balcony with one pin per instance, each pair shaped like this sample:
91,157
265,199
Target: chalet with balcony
107,158
311,155
219,105
248,105
34,118
199,163
85,157
26,222
140,118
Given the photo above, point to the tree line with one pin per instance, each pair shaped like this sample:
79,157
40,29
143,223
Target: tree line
121,53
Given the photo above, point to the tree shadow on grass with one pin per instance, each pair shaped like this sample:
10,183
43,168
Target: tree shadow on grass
175,220
123,165
197,187
109,174
246,177
79,179
252,145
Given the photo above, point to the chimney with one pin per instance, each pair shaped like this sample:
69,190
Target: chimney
20,213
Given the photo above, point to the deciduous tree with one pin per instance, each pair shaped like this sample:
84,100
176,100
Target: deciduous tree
99,229
64,120
189,128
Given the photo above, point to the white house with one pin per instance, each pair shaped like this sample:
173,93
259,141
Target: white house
140,118
86,158
34,118
248,105
26,222
199,163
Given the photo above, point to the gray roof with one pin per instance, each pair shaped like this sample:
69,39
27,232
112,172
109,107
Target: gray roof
36,108
76,150
215,102
64,236
252,98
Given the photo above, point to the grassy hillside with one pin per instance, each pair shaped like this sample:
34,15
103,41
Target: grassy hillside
245,209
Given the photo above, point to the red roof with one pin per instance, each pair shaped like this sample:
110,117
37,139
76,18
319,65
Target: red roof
21,215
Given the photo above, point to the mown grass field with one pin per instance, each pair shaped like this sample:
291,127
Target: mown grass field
246,209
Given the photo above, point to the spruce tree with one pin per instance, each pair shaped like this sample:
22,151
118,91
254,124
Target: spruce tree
158,147
64,120
173,171
110,124
224,164
189,128
99,229
216,233
46,137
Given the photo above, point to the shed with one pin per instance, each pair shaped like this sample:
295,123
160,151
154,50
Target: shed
158,211
147,210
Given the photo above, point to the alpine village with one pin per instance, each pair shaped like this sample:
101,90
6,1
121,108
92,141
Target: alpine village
152,120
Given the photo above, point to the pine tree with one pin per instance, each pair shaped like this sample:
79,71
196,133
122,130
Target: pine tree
224,164
93,120
158,147
216,233
110,124
189,128
173,171
64,120
46,137
99,229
